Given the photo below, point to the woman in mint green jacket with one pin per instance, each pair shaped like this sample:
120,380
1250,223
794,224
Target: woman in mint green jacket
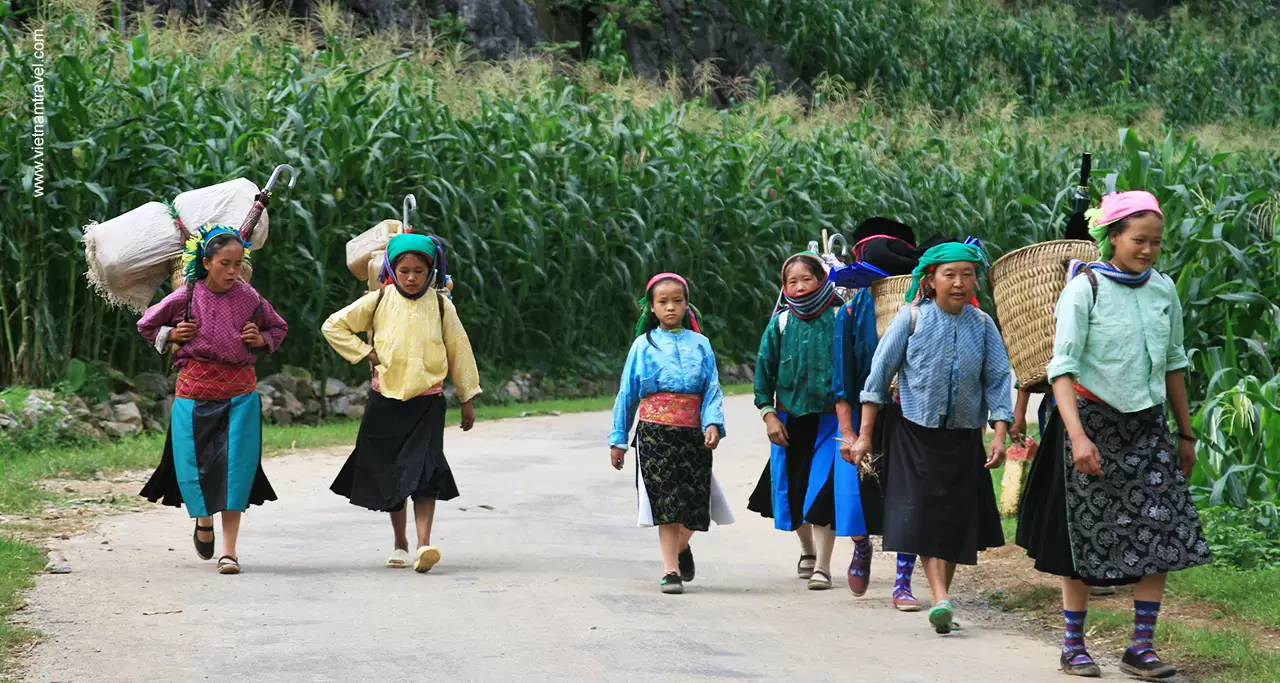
1107,502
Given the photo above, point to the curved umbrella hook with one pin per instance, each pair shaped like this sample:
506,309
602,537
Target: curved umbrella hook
293,176
844,245
410,204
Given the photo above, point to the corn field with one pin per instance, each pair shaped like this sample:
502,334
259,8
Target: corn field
556,201
1207,63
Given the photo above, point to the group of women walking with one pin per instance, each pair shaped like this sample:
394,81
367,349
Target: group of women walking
869,435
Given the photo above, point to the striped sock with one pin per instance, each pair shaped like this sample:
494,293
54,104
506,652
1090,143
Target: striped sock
1144,627
1073,643
861,557
902,580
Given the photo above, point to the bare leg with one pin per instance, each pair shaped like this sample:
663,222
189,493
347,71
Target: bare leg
670,537
824,538
1150,588
424,513
1075,595
230,532
399,519
939,574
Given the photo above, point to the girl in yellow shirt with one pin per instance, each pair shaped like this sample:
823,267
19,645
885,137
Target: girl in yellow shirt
415,340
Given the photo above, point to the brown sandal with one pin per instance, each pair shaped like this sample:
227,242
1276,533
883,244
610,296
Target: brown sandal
228,565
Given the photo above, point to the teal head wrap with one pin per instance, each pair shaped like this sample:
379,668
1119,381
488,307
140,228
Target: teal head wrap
947,252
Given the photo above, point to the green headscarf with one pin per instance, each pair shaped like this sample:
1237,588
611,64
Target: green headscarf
405,243
947,252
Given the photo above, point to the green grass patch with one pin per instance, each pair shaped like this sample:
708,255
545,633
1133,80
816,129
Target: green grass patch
1253,595
1217,654
18,562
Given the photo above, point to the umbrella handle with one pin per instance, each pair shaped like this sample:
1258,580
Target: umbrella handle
271,182
410,204
261,201
844,244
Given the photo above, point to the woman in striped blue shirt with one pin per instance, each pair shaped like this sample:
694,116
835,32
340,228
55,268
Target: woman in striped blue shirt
954,377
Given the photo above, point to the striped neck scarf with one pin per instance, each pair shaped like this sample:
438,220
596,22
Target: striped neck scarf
1124,277
811,305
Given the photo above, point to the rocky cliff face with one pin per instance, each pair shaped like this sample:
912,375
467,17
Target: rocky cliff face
682,33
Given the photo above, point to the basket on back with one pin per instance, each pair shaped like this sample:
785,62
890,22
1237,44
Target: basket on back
1026,284
890,295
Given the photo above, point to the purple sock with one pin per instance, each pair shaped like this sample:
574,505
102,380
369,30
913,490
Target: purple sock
1144,628
902,580
1073,643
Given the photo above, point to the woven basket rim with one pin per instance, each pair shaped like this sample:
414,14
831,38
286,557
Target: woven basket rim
1038,245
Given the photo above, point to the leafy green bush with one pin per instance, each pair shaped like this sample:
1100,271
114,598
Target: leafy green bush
1244,538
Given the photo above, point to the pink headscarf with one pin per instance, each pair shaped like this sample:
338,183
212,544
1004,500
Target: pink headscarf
1115,207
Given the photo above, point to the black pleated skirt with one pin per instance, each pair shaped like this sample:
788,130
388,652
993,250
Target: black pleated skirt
399,454
940,501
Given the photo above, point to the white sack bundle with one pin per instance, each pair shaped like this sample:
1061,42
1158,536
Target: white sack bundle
225,204
129,255
362,247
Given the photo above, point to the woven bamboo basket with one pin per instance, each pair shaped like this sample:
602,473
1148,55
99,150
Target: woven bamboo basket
890,294
1026,284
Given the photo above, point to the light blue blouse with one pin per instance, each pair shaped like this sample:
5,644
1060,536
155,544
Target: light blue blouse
954,373
680,362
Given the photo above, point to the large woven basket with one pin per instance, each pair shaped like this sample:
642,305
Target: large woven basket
890,295
1026,284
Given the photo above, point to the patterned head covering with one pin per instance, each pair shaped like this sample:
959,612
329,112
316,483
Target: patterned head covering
193,250
648,322
947,252
1117,206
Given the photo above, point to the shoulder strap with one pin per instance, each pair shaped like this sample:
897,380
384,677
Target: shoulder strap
915,316
381,290
1093,281
783,317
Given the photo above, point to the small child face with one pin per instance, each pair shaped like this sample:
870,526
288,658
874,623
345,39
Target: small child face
411,273
669,304
800,279
225,267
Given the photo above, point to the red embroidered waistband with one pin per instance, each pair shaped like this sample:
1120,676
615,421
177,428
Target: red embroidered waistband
673,410
202,381
1087,395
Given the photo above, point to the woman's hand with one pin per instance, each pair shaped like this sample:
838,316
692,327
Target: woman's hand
617,456
252,336
995,456
712,436
468,416
847,441
860,450
1187,456
183,333
1086,456
776,430
1018,432
373,358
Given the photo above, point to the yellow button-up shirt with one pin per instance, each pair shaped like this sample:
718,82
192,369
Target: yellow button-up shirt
415,350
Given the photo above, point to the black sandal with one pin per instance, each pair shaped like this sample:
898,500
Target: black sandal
204,549
803,571
228,565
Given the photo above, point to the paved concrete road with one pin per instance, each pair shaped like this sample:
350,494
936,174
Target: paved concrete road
544,578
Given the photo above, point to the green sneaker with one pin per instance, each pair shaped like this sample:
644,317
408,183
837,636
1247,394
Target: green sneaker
672,584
